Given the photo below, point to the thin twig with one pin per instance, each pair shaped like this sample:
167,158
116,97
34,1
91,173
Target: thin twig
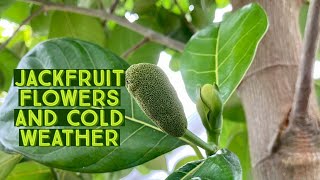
24,22
150,34
113,6
135,47
304,81
111,9
104,22
54,174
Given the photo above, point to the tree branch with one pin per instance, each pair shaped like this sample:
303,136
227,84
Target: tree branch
24,22
148,33
304,81
135,47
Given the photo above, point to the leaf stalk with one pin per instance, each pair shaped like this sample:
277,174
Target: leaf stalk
210,148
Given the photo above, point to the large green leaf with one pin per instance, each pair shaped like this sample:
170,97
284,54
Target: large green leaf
8,61
140,140
64,24
7,163
224,165
30,170
222,53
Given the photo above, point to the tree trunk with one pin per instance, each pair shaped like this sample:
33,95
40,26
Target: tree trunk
267,94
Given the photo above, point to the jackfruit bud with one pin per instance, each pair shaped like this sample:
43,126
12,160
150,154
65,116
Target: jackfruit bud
209,106
151,89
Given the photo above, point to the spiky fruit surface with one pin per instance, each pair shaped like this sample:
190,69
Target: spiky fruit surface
151,88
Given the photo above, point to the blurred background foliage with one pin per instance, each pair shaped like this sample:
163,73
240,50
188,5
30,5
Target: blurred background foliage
21,30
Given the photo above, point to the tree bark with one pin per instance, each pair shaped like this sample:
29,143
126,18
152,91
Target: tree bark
267,93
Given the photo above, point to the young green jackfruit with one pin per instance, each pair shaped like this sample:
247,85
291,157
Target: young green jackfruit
151,88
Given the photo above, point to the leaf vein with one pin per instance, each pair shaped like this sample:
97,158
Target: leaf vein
231,37
235,66
225,59
200,72
200,54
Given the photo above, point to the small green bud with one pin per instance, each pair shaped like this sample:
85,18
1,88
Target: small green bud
151,88
209,106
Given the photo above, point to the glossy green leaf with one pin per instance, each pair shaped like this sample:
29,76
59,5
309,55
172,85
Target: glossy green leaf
30,170
222,53
7,163
122,39
17,12
64,24
224,165
140,139
8,61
